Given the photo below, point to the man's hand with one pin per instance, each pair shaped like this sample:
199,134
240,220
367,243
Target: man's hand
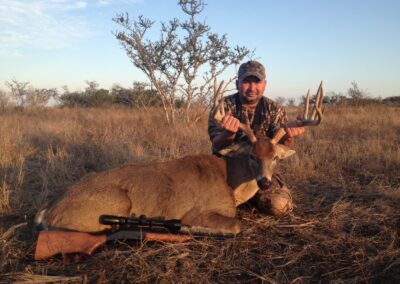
294,128
230,123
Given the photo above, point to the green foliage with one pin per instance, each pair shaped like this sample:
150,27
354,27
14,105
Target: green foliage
73,99
99,98
91,97
395,100
139,96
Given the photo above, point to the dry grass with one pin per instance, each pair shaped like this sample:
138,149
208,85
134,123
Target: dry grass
345,181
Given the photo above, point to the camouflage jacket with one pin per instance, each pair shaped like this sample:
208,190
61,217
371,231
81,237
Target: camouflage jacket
266,118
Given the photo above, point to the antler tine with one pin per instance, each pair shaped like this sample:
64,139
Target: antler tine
307,105
321,107
317,103
278,136
317,110
219,112
219,101
246,129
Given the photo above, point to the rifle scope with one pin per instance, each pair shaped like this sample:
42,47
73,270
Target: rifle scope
142,221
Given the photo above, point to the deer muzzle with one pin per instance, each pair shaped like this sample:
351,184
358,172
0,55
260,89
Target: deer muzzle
264,183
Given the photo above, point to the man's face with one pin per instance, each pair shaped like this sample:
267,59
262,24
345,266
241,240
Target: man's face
251,89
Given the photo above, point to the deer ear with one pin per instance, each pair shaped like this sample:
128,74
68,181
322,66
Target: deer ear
236,149
284,151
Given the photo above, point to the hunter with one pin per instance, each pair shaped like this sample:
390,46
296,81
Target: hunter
265,117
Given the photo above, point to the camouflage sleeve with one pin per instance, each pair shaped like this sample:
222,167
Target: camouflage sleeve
280,115
281,118
277,116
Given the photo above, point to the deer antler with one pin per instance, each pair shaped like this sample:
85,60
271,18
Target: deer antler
219,101
219,112
278,136
315,118
316,115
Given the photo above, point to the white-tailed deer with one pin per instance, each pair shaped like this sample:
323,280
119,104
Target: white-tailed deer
201,190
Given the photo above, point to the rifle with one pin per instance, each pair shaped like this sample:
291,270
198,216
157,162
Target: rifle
54,242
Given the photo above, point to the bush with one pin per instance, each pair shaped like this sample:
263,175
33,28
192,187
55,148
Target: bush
392,100
99,98
73,99
139,96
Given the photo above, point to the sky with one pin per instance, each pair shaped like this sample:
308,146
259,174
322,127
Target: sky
53,43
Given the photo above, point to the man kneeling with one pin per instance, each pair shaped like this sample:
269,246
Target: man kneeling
265,117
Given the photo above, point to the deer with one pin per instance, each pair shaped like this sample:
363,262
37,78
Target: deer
203,191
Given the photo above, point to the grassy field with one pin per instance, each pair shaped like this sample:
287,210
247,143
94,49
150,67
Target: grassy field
345,181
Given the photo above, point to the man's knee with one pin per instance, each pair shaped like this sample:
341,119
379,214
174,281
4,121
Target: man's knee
275,202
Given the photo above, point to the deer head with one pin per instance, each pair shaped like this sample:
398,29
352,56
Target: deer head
262,152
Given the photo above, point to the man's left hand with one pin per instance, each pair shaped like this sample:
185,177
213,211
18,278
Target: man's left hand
294,129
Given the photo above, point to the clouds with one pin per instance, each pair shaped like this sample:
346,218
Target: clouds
47,24
41,24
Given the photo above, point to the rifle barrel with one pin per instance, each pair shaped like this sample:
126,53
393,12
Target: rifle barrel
142,221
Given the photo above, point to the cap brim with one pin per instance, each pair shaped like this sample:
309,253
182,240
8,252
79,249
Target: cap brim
255,74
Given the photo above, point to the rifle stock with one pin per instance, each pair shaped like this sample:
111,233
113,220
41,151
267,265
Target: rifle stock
51,243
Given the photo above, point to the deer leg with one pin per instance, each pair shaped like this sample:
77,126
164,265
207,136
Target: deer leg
210,222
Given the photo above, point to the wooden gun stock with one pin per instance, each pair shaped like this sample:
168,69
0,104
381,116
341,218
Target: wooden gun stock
51,243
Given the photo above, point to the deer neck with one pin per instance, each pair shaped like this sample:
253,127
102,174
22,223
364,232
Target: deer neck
239,170
241,178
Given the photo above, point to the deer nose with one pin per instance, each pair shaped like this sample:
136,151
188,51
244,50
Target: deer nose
264,183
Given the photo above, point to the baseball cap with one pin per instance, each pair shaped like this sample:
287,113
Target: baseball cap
251,68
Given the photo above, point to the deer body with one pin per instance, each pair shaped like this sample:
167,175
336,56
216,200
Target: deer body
193,189
200,190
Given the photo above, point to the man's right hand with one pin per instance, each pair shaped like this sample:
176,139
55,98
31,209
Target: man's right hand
230,123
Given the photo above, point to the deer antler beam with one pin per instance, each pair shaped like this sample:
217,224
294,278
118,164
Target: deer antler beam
316,116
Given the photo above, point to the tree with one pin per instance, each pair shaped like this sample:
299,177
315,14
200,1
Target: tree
174,64
39,97
92,87
335,98
91,97
395,100
356,95
71,99
291,102
18,91
140,96
26,95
